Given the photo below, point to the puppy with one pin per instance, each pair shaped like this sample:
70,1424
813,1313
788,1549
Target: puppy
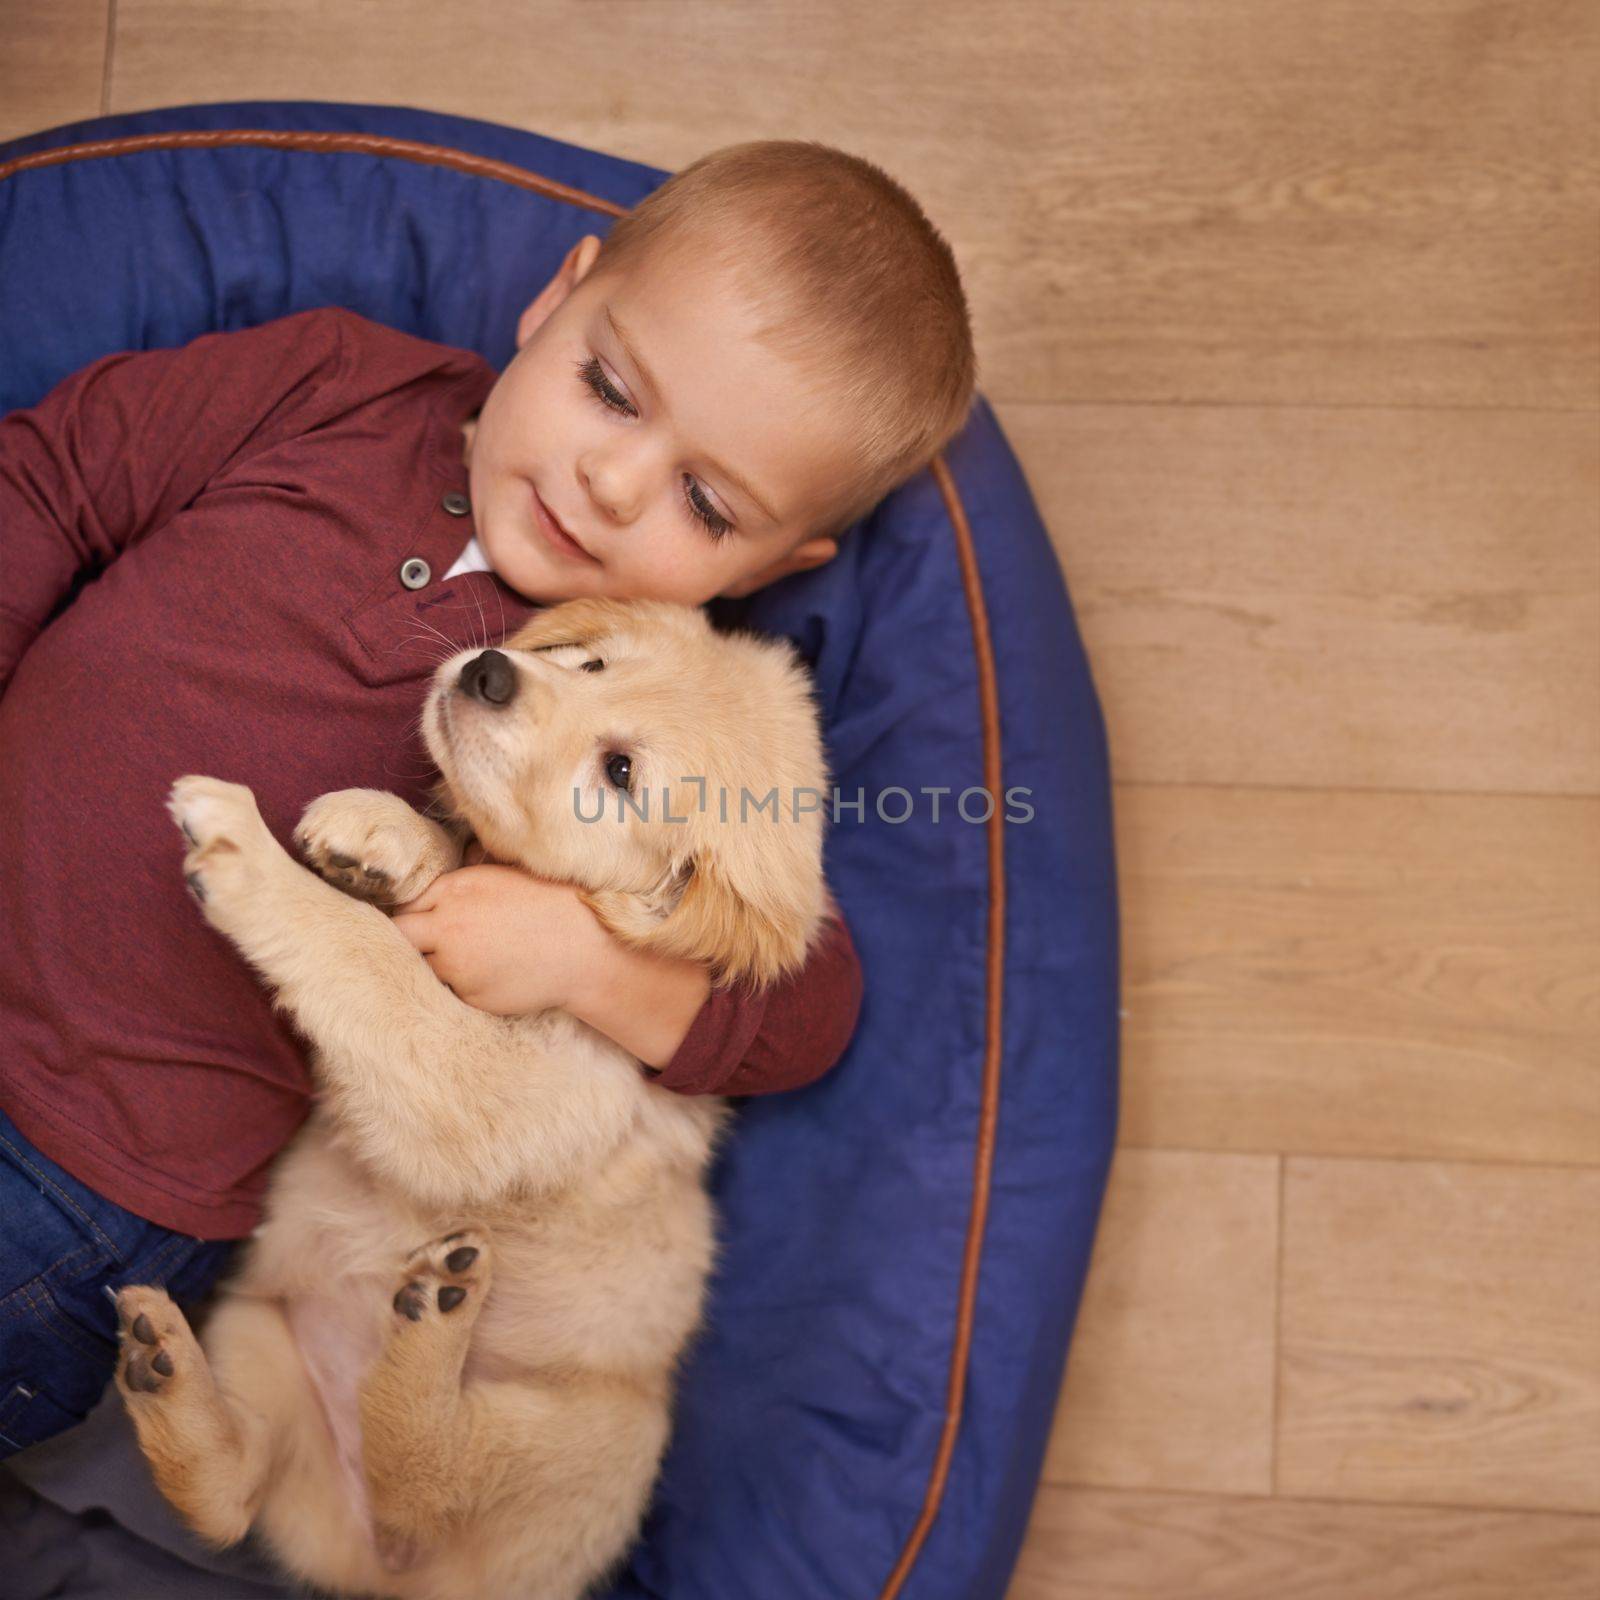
444,1367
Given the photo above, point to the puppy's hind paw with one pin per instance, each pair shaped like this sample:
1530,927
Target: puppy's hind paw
156,1344
447,1278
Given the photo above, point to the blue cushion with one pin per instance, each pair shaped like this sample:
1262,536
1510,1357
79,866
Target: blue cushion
906,1242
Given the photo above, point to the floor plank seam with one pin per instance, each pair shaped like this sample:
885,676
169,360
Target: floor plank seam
1292,405
1277,1329
1576,796
111,40
1286,1156
1319,1502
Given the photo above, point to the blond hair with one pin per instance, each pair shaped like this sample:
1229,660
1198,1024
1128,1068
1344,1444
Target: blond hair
858,284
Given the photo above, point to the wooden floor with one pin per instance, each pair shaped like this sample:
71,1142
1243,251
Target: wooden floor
1292,312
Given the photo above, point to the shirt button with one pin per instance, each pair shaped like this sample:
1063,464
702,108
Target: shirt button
415,573
457,503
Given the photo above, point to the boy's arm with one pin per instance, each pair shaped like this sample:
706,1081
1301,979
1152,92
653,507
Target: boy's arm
786,1036
509,943
118,449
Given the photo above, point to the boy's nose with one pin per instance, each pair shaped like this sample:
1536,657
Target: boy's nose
490,677
615,486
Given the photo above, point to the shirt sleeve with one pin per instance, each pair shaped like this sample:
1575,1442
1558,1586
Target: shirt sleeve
744,1042
119,448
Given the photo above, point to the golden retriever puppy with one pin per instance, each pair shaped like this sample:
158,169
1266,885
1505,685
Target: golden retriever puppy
444,1367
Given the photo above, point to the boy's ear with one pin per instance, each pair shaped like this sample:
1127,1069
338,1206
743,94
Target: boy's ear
571,273
812,553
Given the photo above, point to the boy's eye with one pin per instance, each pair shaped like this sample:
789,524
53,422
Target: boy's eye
699,508
602,388
704,512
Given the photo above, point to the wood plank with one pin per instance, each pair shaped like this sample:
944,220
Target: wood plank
52,63
1088,1544
1361,974
1440,1337
1332,599
1170,1379
1356,202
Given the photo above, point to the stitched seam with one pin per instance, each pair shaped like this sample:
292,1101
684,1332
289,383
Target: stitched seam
112,1157
44,1178
988,1116
54,1320
18,1302
431,155
171,1251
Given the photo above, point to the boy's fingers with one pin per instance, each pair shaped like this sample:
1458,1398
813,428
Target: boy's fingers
416,930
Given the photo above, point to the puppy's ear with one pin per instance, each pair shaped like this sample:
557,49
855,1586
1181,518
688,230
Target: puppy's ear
748,911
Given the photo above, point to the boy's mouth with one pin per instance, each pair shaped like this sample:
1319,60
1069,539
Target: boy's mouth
555,535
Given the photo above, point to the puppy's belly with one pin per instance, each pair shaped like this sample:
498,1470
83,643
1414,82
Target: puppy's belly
339,1342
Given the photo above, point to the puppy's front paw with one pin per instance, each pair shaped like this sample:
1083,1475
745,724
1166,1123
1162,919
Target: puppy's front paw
447,1278
230,844
371,845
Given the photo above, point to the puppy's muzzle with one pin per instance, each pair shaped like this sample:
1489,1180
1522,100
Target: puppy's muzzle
490,677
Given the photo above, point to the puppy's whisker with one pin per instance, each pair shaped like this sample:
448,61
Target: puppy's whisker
483,621
450,645
433,661
408,773
424,639
443,638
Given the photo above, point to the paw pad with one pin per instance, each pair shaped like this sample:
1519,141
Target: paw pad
146,1361
444,1276
356,878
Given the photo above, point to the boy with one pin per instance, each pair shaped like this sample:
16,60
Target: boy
252,552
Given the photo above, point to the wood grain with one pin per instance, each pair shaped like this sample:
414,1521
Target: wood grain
52,63
1362,201
1404,975
1088,1544
1332,599
1441,1335
1170,1380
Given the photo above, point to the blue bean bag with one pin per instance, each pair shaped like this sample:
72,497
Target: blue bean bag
906,1242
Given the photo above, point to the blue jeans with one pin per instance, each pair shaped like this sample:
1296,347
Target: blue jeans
61,1247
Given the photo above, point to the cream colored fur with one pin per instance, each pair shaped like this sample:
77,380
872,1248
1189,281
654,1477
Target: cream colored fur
516,1183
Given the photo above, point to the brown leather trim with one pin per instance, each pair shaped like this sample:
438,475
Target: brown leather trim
366,144
988,700
989,1115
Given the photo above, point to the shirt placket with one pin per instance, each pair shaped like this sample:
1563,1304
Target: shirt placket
406,620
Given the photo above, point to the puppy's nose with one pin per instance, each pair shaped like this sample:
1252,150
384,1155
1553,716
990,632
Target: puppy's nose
489,677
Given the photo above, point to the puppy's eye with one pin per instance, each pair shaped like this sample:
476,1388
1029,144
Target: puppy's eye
619,769
597,665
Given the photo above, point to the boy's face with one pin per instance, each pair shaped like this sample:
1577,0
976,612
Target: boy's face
637,442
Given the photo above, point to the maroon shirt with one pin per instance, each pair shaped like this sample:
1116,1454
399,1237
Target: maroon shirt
200,556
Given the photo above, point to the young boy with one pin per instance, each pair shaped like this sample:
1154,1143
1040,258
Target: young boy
247,556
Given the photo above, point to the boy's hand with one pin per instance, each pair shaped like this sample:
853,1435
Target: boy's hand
510,943
505,941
